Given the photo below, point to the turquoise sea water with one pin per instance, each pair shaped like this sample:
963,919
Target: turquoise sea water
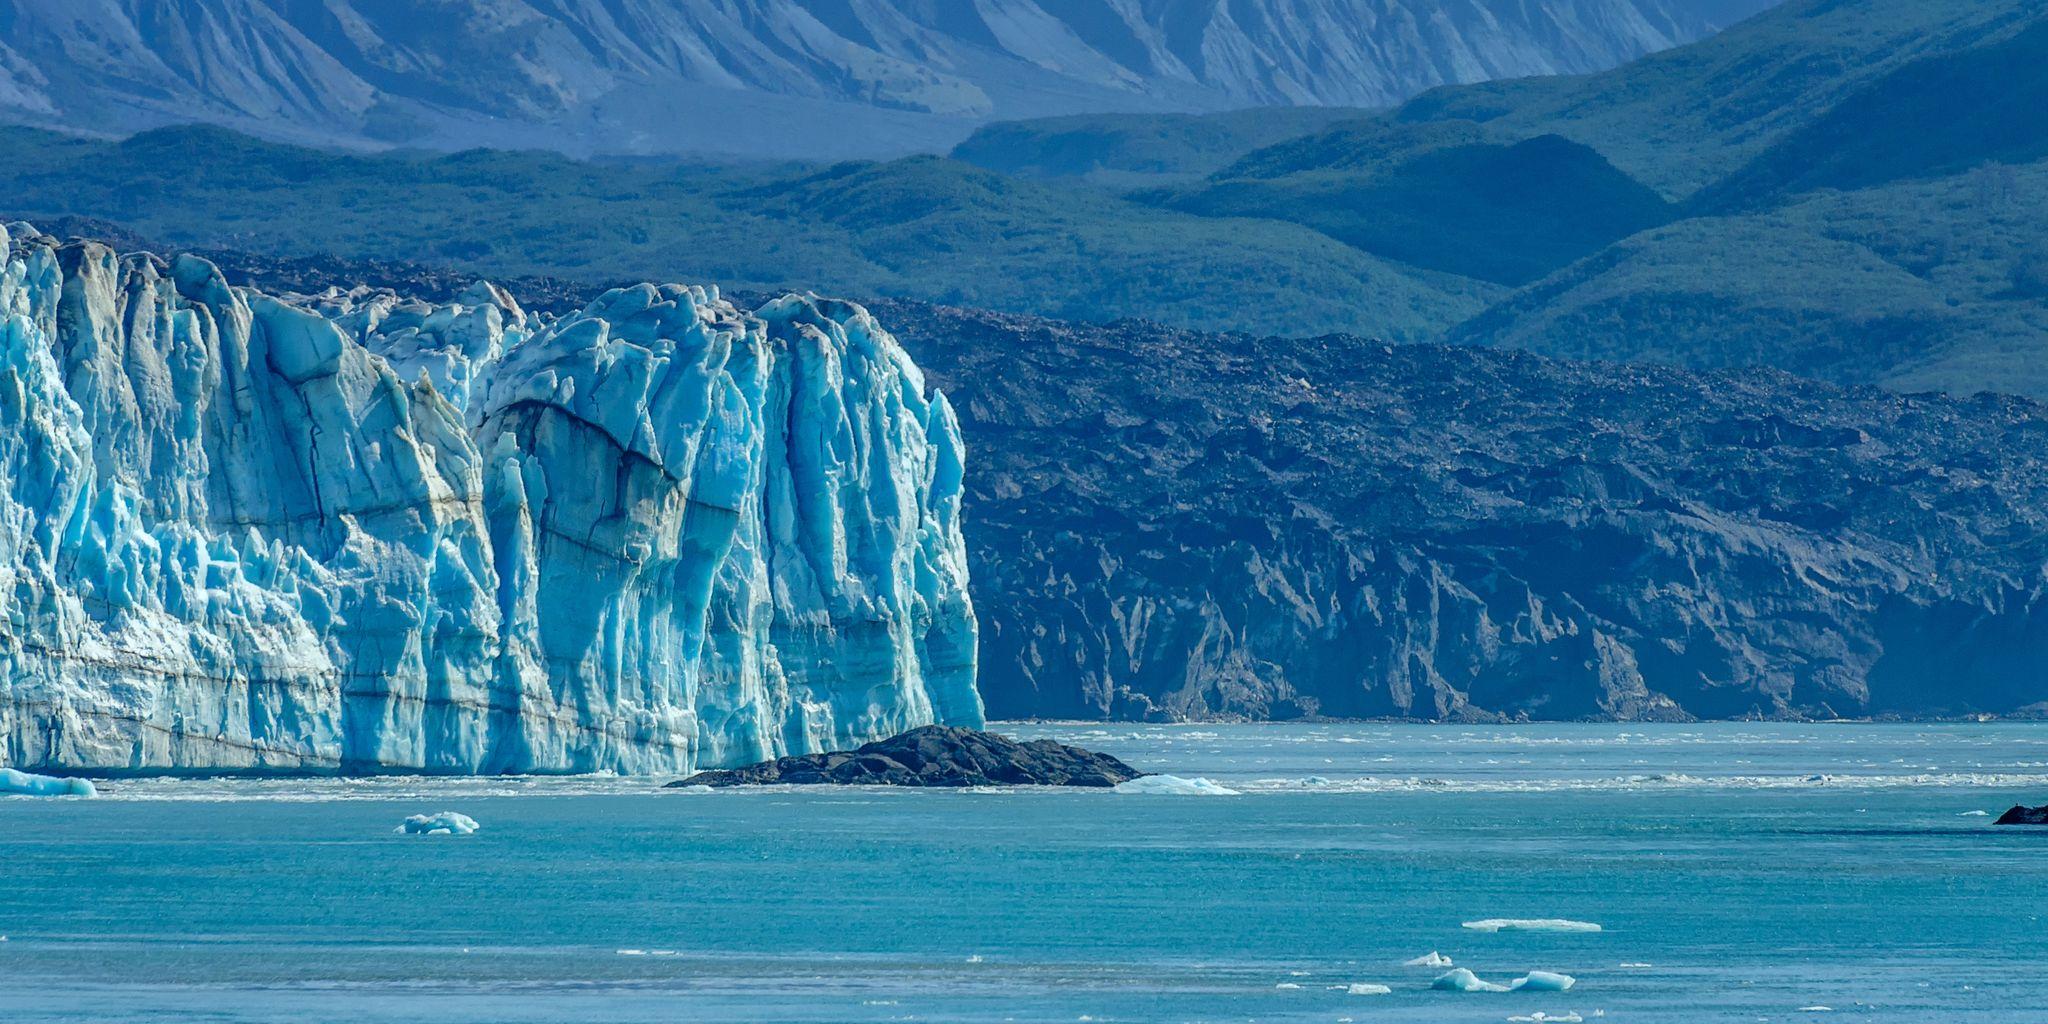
1739,873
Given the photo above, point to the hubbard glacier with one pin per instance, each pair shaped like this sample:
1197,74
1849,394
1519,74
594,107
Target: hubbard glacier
354,533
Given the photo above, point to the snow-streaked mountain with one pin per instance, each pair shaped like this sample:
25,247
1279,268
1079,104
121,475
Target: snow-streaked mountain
810,78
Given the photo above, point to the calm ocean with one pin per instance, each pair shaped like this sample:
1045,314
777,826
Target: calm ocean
1738,872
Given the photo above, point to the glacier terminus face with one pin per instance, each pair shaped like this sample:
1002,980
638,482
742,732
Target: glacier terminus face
354,532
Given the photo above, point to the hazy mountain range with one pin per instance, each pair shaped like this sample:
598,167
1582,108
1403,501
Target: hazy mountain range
811,79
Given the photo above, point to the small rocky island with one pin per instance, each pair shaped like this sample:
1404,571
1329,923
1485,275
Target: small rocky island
2024,815
937,756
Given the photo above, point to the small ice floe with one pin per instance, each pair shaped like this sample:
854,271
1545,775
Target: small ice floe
1974,814
1174,785
444,823
632,952
1544,924
1429,959
1816,1009
1315,780
1543,981
1462,980
1539,1017
24,784
1635,966
974,958
1366,988
691,789
1287,985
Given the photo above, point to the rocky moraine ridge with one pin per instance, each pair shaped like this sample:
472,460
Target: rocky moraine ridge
1171,524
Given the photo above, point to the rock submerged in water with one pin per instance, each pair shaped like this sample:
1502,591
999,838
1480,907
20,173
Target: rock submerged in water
2024,815
935,756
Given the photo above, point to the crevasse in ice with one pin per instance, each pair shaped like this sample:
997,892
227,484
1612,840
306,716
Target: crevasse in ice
353,532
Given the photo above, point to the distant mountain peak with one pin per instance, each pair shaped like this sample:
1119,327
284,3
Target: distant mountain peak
784,78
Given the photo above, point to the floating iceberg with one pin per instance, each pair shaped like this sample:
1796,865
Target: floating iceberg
353,532
1366,988
1174,785
444,823
1539,1017
1548,924
1462,980
1429,959
1543,981
16,783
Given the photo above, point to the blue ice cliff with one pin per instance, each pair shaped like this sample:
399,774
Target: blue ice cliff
353,532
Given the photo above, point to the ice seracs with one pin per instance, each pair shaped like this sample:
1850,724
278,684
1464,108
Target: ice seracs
353,532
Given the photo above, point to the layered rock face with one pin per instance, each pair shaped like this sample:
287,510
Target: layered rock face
1171,524
355,533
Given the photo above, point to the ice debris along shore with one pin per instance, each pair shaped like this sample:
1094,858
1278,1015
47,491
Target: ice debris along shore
353,532
17,783
441,823
1174,785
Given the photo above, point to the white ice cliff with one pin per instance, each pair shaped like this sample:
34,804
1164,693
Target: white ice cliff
358,533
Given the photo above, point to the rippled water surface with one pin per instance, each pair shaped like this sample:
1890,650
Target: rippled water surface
1738,872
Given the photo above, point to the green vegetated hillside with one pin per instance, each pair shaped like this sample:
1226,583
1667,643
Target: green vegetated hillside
1922,285
1685,118
923,227
1138,149
1849,189
1507,214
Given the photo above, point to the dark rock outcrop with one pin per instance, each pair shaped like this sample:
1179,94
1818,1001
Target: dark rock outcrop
938,756
2024,815
1169,524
